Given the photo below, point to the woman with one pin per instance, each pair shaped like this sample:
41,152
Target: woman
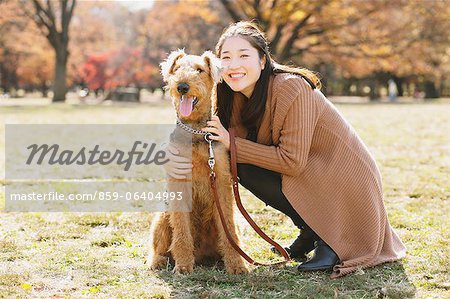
298,154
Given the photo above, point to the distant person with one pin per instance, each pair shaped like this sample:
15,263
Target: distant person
393,91
418,94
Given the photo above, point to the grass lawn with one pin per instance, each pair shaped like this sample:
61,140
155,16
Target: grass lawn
101,255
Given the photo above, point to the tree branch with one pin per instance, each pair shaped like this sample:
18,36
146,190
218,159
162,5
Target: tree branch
274,4
65,20
256,7
301,50
277,37
294,35
49,12
42,14
228,6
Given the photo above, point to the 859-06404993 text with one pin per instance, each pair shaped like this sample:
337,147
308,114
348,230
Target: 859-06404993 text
92,168
98,195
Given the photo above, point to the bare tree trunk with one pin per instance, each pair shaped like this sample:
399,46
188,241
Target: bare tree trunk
56,30
399,82
374,94
59,83
430,90
442,86
44,89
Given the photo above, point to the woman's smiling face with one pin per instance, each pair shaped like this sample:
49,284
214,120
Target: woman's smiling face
242,65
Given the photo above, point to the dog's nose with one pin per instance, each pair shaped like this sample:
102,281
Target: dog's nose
183,88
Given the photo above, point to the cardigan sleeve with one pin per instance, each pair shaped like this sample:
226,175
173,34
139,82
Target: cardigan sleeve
290,155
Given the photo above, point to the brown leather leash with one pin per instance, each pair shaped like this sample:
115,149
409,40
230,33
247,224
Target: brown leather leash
237,198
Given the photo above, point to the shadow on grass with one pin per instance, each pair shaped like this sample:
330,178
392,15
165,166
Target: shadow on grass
384,281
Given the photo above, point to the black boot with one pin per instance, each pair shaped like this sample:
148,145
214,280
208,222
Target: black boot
324,258
300,247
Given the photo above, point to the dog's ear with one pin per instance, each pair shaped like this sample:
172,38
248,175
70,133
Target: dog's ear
168,65
214,64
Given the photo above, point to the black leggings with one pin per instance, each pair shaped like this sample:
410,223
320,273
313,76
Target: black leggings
266,185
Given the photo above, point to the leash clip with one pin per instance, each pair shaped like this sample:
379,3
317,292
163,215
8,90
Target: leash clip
211,160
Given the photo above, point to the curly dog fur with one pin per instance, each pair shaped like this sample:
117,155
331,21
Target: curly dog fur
196,237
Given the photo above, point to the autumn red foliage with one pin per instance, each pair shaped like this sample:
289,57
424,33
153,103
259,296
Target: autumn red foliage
123,67
354,45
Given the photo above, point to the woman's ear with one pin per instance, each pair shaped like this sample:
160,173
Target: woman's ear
263,62
214,64
168,65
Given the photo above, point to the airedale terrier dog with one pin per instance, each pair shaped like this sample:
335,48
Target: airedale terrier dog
196,237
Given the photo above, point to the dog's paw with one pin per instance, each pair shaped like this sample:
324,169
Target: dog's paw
236,268
158,262
183,269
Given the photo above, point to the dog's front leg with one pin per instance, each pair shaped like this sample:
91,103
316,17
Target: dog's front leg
182,247
234,264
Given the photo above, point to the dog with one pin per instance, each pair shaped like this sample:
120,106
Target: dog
196,237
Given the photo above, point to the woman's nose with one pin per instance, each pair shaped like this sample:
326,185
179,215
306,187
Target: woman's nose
234,64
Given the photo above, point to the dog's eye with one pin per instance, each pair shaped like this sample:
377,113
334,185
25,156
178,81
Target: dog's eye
200,70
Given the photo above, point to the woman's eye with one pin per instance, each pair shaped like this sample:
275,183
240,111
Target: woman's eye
244,55
225,58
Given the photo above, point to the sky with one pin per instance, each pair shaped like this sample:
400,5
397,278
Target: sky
136,4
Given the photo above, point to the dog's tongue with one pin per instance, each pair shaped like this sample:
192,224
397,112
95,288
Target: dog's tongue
186,105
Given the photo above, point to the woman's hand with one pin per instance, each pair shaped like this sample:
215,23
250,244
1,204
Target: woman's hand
177,167
216,127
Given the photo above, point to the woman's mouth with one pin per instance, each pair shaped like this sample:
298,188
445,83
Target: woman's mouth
236,75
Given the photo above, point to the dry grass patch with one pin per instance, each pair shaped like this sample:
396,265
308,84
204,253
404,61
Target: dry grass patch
102,255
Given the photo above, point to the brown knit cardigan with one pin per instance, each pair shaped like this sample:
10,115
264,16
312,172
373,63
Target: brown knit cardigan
328,174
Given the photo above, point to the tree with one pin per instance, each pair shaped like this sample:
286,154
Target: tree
119,68
24,53
192,25
56,29
98,28
373,39
297,27
428,54
35,67
93,71
9,54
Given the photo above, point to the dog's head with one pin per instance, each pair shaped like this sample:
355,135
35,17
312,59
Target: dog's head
191,81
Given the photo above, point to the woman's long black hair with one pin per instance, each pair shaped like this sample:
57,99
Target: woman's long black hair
253,110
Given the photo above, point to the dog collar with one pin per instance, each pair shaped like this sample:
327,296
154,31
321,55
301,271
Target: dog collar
189,129
207,136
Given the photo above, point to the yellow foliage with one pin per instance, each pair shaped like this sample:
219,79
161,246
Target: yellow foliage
27,287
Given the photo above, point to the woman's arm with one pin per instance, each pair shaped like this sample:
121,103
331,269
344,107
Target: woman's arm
290,156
